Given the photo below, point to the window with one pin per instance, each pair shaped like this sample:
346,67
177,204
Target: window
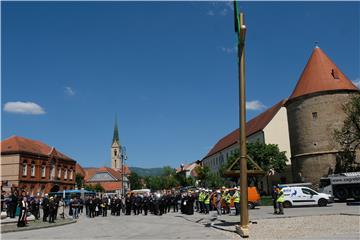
24,169
335,74
308,191
71,174
43,171
32,169
65,173
314,115
59,172
115,152
52,170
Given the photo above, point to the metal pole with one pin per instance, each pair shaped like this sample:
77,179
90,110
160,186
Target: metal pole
122,173
243,229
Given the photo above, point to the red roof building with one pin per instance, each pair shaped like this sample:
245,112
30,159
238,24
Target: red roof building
321,74
35,167
110,179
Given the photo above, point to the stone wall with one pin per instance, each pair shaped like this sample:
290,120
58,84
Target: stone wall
312,121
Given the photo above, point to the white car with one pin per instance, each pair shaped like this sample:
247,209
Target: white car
304,196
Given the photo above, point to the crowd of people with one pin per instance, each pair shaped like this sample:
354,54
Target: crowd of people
21,204
200,200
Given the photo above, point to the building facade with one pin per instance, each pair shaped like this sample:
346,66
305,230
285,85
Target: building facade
315,110
35,167
270,127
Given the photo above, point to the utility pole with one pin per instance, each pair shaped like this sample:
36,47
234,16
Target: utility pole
240,29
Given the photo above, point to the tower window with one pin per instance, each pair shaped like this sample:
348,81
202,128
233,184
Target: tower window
115,152
335,73
314,115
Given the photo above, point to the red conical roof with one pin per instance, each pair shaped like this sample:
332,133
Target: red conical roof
321,74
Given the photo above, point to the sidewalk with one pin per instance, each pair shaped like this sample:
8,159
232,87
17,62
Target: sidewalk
11,226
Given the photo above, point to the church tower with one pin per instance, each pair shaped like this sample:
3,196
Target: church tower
116,149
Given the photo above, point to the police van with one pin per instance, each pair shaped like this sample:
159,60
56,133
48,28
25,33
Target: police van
301,195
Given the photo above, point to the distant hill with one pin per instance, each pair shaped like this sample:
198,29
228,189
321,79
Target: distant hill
144,172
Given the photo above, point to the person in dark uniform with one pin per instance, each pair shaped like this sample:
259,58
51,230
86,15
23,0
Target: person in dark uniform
145,204
104,206
34,208
92,206
87,211
52,210
23,205
13,203
274,196
45,207
128,205
117,206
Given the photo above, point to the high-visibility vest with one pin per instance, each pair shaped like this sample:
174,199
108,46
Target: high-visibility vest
281,197
236,197
201,197
207,199
228,198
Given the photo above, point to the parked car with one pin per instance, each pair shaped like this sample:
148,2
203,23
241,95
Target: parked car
304,196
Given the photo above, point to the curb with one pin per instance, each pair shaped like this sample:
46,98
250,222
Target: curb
39,227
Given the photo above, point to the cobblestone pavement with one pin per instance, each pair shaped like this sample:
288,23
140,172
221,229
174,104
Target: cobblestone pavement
337,221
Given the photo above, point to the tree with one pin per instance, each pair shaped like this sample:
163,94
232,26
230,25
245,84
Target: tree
135,181
348,137
267,156
79,180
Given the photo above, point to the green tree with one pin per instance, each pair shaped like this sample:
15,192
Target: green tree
267,156
348,137
79,180
135,181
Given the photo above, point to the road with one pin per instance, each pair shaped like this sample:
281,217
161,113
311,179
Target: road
307,222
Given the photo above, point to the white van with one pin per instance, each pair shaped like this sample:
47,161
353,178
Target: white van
304,196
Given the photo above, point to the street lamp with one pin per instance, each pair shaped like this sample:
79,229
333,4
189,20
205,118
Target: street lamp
240,29
123,158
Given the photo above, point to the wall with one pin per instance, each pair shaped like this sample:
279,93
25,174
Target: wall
277,132
312,121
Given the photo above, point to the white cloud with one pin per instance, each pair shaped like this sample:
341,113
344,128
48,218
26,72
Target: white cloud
255,105
229,49
69,91
210,13
357,82
23,108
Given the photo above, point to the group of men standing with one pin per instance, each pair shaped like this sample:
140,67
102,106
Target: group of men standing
219,200
137,203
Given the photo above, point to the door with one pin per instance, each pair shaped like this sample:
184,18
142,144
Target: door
309,197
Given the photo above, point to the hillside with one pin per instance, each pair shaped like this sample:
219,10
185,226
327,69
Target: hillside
146,171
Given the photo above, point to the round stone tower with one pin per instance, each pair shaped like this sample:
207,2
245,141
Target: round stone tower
314,110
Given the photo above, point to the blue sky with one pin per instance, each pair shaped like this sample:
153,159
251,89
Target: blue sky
168,69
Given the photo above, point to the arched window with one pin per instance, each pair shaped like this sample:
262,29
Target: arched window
115,152
65,173
59,172
71,174
43,171
32,169
24,168
52,170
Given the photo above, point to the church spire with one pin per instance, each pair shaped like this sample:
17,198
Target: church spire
116,132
